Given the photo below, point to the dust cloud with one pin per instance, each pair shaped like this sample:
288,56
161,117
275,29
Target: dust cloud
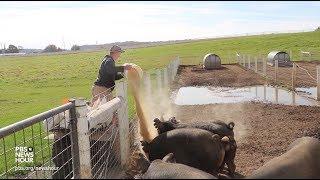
150,101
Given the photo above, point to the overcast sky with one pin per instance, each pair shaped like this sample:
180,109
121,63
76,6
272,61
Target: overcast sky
37,24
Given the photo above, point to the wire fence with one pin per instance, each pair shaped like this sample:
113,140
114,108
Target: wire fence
299,76
80,139
155,87
32,149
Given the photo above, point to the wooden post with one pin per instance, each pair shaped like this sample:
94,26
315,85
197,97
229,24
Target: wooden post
159,80
276,63
264,61
293,98
256,65
74,141
171,71
256,91
123,123
264,92
83,139
277,94
294,74
147,84
243,61
165,78
318,83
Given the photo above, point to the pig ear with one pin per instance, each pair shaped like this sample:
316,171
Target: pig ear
138,176
173,120
231,125
216,137
162,119
169,158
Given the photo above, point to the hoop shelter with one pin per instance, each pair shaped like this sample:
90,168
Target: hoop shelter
211,61
282,57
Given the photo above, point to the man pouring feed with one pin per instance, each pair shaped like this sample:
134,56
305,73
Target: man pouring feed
108,74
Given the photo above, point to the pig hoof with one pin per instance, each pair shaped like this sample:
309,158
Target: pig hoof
158,124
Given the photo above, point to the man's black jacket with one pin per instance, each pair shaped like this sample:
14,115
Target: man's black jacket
108,73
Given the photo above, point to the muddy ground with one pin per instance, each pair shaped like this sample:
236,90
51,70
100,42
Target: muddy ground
236,76
303,79
263,131
228,75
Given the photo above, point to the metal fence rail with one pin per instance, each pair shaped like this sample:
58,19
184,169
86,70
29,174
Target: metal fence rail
29,149
76,140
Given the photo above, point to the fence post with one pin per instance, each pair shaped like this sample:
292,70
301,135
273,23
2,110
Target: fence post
256,64
171,71
276,63
249,62
294,74
310,58
264,92
264,61
318,83
159,79
123,123
277,94
244,61
165,77
147,84
74,141
83,139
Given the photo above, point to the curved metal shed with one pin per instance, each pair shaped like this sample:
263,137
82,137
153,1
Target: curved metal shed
211,61
282,57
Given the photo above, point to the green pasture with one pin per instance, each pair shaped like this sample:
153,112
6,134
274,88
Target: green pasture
31,85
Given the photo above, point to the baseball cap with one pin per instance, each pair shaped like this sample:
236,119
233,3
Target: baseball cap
116,48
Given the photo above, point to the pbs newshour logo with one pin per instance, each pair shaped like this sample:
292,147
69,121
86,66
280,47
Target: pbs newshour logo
24,154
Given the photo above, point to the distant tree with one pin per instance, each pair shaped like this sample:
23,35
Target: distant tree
12,49
75,48
52,48
318,29
0,51
20,47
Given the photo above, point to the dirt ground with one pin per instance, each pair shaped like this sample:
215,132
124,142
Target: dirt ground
236,76
228,75
263,131
302,77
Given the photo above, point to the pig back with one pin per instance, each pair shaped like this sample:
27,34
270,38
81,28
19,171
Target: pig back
191,146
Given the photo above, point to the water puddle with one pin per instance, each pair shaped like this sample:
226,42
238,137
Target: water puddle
213,95
309,92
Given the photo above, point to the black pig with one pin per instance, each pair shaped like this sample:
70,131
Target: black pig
168,169
193,147
216,127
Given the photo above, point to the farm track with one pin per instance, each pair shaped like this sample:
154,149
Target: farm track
263,131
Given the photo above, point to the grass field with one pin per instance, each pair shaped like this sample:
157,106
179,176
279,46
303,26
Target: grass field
31,85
